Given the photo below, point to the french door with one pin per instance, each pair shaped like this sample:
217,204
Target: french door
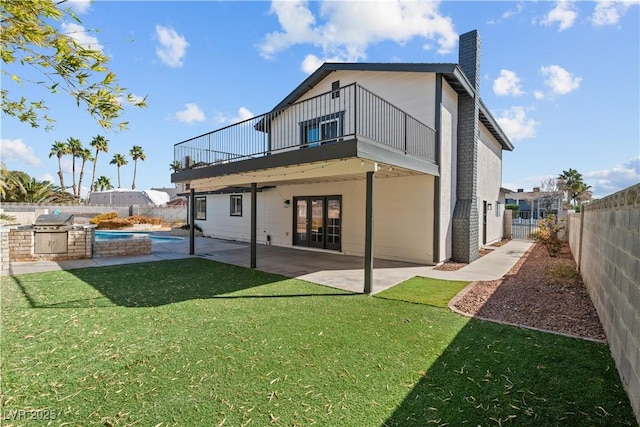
318,222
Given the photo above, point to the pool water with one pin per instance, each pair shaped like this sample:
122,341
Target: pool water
119,235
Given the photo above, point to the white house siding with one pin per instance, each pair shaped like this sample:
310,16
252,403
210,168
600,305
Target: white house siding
403,216
489,181
448,167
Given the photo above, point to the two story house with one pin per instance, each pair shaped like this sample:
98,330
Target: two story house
401,161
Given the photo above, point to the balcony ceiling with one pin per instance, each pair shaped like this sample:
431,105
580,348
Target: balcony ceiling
316,172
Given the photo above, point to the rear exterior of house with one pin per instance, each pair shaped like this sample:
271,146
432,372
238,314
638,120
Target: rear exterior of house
396,161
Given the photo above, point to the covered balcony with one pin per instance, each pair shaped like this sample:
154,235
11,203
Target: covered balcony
346,122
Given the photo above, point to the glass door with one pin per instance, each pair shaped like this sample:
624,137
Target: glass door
318,222
300,236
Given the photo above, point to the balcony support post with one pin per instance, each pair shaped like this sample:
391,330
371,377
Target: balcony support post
254,216
192,221
368,235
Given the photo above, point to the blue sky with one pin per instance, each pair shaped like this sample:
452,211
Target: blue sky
561,78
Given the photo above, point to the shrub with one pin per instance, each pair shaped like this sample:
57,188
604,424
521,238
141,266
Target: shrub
547,234
562,275
119,223
187,227
114,224
102,217
139,219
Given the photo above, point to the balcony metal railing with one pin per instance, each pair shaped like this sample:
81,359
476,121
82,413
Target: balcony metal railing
349,112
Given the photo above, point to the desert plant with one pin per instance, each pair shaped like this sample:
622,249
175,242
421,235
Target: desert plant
103,217
547,233
562,275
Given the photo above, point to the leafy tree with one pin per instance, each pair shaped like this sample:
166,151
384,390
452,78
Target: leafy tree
75,148
550,195
86,156
118,160
60,149
30,40
136,154
100,143
175,166
103,183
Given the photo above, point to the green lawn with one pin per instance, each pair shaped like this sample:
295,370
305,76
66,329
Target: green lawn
198,343
422,290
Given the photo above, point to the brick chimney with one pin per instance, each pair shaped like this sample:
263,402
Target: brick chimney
465,214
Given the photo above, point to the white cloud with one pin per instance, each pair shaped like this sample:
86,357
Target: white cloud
243,114
609,12
79,6
311,63
80,34
50,178
191,113
14,150
538,94
348,28
559,80
507,84
510,13
173,46
608,181
516,124
564,14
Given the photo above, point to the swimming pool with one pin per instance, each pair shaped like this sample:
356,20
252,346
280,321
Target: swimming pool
125,235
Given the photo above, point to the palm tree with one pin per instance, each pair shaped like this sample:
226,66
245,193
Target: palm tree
86,156
118,160
75,147
571,182
100,143
175,166
60,149
136,153
103,183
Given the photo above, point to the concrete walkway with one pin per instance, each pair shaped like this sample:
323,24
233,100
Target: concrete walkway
323,267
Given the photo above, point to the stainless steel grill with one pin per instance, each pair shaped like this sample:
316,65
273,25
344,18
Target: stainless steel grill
53,222
51,236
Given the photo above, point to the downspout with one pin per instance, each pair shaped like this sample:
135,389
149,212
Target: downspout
436,183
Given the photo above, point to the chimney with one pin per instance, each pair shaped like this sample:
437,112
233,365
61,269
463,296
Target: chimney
466,223
469,57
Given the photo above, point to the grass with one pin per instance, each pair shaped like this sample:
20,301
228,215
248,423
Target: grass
194,342
424,290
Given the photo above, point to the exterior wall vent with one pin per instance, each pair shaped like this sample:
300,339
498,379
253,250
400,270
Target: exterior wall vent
335,89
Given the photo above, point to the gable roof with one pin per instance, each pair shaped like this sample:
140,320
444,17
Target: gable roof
452,73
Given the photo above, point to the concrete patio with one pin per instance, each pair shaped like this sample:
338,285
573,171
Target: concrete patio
330,269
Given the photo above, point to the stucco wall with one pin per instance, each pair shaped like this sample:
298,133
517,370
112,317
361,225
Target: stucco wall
605,241
489,181
403,216
448,167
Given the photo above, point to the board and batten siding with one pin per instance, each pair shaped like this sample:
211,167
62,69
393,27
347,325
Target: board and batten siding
403,216
489,182
413,93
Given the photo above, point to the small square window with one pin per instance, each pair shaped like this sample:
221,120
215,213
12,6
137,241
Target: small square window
201,208
236,205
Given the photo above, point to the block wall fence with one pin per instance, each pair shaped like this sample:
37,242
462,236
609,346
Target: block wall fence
605,242
168,214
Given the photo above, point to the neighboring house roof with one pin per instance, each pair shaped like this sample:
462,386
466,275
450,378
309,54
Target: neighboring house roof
452,73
